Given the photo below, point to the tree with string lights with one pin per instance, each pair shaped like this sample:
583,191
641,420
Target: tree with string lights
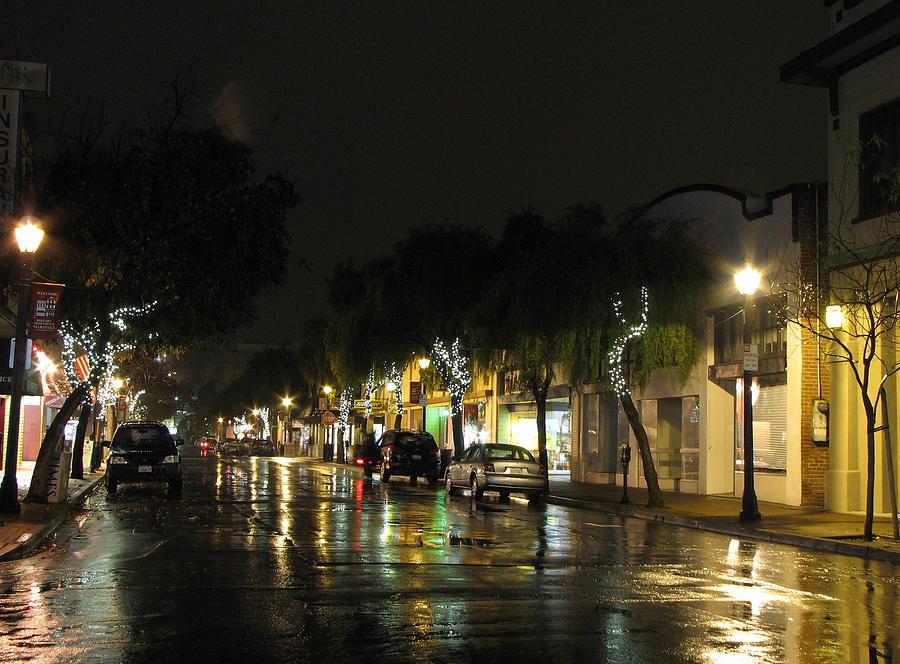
100,344
151,214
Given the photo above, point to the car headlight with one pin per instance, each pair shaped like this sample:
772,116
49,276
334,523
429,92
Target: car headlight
117,459
172,458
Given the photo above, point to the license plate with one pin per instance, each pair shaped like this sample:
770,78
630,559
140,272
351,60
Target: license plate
145,469
417,457
514,469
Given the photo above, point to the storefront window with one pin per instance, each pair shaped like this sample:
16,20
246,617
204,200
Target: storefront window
599,440
523,432
769,427
474,428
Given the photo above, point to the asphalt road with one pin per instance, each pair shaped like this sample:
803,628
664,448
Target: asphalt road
284,561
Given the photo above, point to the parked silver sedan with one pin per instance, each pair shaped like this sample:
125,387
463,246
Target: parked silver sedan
495,467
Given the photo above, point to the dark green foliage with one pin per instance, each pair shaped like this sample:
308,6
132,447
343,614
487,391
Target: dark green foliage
173,215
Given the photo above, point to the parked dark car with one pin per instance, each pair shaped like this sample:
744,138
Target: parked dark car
410,453
258,447
143,452
493,467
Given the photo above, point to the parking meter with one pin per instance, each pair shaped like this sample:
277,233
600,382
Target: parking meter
625,459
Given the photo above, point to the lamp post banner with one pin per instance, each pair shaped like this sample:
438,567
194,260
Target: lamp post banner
44,309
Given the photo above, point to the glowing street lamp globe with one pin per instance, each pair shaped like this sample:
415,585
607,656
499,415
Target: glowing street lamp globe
29,235
834,316
747,281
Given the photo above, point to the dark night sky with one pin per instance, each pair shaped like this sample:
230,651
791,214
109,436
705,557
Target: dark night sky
390,115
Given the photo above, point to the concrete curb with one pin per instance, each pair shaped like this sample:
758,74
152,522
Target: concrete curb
776,537
23,547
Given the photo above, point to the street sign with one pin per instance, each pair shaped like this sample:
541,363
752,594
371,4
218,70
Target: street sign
32,78
751,357
423,400
9,147
360,404
328,418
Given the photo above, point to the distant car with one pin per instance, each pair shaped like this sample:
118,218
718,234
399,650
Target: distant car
495,467
367,455
143,452
410,453
257,447
206,443
231,447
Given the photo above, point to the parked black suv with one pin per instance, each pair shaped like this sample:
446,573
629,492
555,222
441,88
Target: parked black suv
412,453
143,452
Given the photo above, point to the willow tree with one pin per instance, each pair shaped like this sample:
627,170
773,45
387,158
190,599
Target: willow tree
660,274
436,272
585,291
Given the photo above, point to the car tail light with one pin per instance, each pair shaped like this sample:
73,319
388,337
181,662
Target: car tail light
359,462
542,470
489,467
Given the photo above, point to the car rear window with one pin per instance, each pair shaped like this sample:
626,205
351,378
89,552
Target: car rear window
142,437
509,453
418,441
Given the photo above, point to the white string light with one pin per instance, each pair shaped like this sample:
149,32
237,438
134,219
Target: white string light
100,354
264,416
453,368
370,387
395,376
344,412
616,355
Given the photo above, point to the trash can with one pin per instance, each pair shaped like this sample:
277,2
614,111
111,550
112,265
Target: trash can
446,456
328,453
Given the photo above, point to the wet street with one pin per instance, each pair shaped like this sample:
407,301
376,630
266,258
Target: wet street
287,561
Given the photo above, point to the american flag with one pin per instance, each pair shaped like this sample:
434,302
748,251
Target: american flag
82,367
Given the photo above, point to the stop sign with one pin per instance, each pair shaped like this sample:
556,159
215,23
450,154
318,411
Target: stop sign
328,418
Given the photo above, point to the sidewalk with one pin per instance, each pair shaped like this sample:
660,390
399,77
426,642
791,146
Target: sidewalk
21,533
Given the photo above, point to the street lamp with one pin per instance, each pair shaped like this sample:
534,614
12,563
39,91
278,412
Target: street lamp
747,281
287,403
29,237
424,363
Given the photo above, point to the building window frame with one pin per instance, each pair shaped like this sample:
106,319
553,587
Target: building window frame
879,164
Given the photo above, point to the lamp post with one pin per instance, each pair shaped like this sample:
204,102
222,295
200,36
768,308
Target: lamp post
29,237
288,404
424,363
336,444
747,281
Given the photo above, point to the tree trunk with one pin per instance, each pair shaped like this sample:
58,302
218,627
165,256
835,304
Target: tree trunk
97,450
541,400
870,469
459,443
78,445
37,492
654,494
